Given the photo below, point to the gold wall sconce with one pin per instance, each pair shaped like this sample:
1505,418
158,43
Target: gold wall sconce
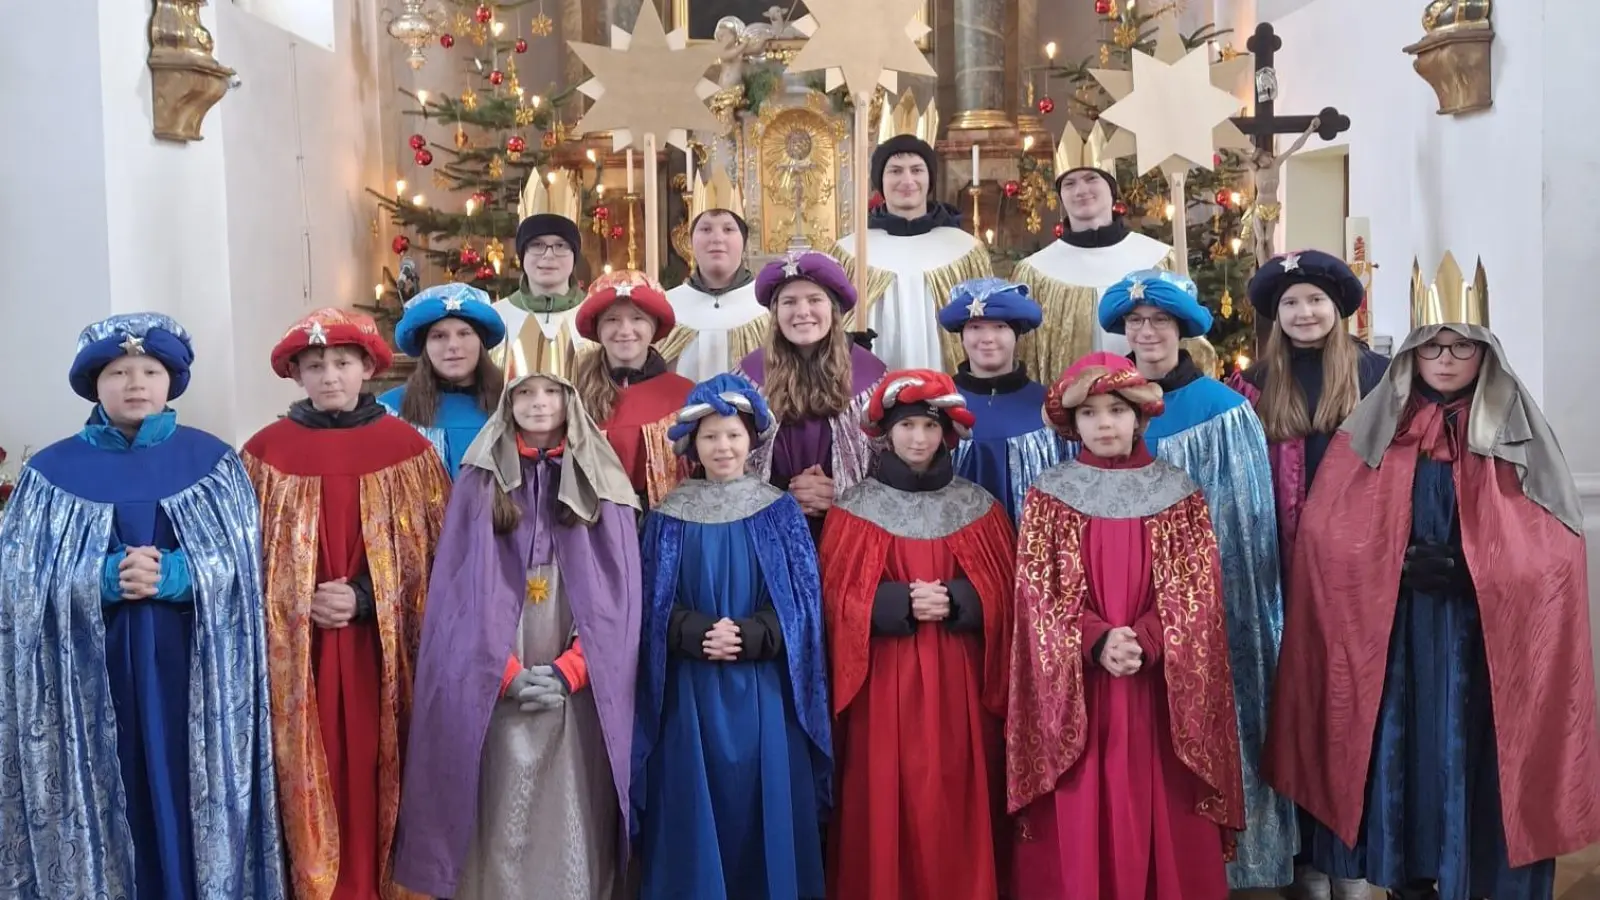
1454,55
185,78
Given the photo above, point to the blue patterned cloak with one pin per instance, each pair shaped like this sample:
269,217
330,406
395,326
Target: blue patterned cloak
135,750
1209,431
457,422
1010,444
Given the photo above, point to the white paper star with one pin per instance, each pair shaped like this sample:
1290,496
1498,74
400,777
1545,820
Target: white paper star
133,346
1291,263
453,304
861,44
975,308
1173,110
1136,290
648,82
625,289
316,334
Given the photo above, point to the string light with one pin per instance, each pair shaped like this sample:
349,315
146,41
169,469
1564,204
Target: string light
472,206
1050,51
399,187
607,268
1027,143
498,28
550,177
377,292
590,153
988,235
422,97
535,101
599,190
1235,198
1236,244
1241,360
496,263
1170,210
417,201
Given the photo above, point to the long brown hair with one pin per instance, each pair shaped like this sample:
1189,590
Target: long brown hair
804,384
1282,406
503,511
420,403
591,378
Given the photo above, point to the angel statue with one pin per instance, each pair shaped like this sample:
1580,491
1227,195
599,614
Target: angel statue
738,43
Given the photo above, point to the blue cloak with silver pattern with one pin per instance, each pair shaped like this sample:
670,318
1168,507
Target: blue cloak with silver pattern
455,424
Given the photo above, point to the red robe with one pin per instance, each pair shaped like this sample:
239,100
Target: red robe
341,503
1533,594
917,743
1126,788
637,430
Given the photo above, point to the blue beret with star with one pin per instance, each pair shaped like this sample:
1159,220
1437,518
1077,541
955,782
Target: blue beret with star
991,298
131,334
1174,294
1328,272
443,301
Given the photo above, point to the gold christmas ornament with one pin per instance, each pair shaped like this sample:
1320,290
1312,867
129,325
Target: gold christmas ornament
1225,306
497,166
647,82
469,99
541,26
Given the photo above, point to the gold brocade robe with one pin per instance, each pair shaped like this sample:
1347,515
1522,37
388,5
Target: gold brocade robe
909,279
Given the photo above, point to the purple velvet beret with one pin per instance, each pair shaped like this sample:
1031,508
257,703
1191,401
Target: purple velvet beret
819,268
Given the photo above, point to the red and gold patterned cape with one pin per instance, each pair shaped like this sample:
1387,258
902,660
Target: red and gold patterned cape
403,494
1047,718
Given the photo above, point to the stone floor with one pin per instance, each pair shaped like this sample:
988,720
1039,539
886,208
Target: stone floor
1577,878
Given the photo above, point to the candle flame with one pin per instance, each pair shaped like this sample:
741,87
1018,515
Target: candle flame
498,28
377,292
422,97
399,187
1050,51
417,200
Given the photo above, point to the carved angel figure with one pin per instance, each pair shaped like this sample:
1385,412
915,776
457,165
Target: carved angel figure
738,43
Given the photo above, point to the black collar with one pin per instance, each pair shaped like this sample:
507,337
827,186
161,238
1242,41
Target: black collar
939,215
1183,374
366,412
740,279
892,471
654,365
1104,236
1009,383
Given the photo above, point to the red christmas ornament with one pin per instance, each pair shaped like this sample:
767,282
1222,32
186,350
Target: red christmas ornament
497,77
549,140
424,157
1119,208
483,14
1060,229
1102,7
447,40
617,232
400,245
515,144
1216,160
469,257
1224,197
602,213
480,198
875,201
1012,189
485,273
1046,106
521,46
418,142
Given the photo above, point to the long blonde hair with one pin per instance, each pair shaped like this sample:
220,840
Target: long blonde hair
591,378
808,385
1282,405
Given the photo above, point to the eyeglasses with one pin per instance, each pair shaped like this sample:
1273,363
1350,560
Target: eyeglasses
559,251
1155,323
1459,349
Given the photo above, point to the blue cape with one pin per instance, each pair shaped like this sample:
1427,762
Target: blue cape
457,421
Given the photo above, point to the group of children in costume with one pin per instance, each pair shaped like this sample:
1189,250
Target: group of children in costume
809,628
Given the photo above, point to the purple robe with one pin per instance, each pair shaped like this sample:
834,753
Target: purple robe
475,602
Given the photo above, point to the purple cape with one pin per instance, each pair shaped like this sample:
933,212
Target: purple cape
865,369
475,599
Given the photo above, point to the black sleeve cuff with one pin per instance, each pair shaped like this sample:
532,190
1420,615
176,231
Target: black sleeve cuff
366,599
761,637
891,610
1099,648
966,610
686,633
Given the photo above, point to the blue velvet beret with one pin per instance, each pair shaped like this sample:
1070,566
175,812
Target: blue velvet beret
454,300
991,298
1169,292
1324,270
131,334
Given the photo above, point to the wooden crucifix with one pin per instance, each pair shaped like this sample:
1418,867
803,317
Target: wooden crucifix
1263,129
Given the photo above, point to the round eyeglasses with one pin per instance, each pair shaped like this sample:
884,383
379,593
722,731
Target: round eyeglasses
1459,349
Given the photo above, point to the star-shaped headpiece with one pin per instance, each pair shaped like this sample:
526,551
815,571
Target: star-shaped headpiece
975,308
133,346
316,334
1291,263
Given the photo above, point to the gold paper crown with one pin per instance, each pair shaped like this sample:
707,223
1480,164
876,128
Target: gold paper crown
1095,151
720,193
1450,298
903,118
551,192
1450,15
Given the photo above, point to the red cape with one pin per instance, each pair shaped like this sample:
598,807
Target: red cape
852,557
637,430
1533,597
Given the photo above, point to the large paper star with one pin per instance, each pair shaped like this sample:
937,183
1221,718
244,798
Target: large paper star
648,82
1173,106
862,43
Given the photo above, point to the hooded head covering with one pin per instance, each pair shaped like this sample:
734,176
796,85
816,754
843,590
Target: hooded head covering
806,265
131,334
591,471
446,301
331,327
545,224
995,299
1326,271
918,392
1170,292
1503,422
720,395
1098,373
634,286
903,144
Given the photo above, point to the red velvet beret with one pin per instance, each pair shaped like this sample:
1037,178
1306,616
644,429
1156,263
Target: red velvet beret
332,327
633,286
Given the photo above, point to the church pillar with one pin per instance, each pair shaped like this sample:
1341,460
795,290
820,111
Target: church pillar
980,59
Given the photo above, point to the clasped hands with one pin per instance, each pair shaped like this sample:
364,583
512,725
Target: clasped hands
139,573
813,490
723,641
334,604
537,688
930,601
1122,654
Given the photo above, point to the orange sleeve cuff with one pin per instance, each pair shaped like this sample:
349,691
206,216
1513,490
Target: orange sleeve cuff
513,666
574,668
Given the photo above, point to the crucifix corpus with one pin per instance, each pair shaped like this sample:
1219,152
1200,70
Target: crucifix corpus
1263,128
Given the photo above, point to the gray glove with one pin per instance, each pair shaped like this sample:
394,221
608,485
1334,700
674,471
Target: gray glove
538,688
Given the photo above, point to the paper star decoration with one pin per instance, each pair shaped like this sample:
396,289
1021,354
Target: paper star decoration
1173,106
648,82
316,334
132,346
975,308
862,43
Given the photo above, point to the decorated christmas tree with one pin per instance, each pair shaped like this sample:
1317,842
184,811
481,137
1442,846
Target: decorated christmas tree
1217,208
476,149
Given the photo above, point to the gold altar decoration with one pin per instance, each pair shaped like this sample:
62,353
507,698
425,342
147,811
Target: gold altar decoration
1454,56
1449,297
797,161
719,193
185,78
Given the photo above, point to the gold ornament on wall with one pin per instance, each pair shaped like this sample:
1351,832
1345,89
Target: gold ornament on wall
185,78
1449,297
798,160
1454,56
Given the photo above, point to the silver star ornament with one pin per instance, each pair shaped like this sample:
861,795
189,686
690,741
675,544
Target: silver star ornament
1136,290
454,304
1291,263
316,334
132,346
975,308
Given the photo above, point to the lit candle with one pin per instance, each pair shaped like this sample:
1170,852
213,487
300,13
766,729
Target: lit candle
1050,51
974,165
377,292
399,187
688,169
630,170
422,97
417,200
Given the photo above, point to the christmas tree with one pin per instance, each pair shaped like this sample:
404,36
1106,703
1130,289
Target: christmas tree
479,148
1220,260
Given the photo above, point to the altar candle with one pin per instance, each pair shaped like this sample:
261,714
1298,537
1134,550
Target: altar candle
688,169
630,170
974,165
